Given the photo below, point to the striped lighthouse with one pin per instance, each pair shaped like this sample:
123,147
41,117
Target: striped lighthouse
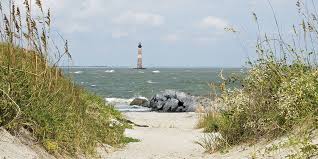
139,63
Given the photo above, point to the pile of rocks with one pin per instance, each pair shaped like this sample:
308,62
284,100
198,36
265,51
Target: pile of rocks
173,101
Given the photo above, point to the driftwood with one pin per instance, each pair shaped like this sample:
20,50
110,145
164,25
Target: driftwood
133,123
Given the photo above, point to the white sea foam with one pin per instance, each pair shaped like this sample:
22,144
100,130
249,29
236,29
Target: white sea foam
78,72
122,101
93,85
141,71
110,71
123,104
151,82
157,71
119,101
140,97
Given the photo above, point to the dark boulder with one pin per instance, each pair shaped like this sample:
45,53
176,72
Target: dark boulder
171,105
140,102
173,101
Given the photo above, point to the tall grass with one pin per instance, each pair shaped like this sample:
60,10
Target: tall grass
279,94
34,94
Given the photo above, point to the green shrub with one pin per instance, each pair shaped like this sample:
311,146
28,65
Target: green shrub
279,93
36,96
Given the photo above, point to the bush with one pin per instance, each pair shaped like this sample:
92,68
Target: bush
36,96
278,94
274,100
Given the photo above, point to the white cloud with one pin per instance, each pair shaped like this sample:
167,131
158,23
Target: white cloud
54,5
170,38
119,34
72,27
213,22
91,8
199,41
139,18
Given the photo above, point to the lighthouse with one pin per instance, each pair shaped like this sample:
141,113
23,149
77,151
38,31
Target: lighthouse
139,62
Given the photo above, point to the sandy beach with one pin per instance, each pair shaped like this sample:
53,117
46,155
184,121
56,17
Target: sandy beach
172,136
169,135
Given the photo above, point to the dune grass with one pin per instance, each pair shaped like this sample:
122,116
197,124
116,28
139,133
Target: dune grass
36,96
279,92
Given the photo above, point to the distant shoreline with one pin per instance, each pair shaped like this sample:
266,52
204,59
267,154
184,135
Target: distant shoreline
159,67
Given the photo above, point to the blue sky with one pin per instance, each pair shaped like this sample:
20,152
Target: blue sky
175,33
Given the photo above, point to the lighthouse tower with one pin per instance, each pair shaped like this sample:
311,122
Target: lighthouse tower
139,63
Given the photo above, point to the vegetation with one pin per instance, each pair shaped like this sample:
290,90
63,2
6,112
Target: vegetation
279,93
34,94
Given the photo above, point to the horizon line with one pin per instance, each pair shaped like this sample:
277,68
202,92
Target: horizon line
154,67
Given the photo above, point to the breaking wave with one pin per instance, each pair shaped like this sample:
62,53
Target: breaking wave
78,72
123,105
119,101
110,71
151,82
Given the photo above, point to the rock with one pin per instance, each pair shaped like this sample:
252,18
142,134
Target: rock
173,101
187,101
159,105
140,102
158,101
171,105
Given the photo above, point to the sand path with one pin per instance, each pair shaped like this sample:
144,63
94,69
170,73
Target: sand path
169,135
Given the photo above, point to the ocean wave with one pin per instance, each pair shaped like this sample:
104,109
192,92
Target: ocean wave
140,97
151,82
141,72
116,101
157,71
123,105
78,72
119,101
110,71
93,85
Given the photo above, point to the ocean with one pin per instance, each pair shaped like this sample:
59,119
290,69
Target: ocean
125,83
119,86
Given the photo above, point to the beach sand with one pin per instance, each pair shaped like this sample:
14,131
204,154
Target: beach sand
169,135
173,136
20,147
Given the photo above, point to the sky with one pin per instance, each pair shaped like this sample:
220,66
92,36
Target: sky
174,33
